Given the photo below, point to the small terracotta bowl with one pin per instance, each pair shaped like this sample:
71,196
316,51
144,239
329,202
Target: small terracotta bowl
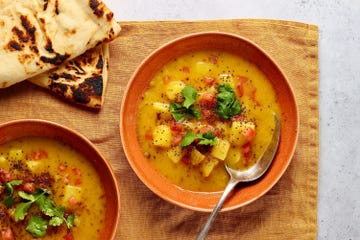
41,128
139,82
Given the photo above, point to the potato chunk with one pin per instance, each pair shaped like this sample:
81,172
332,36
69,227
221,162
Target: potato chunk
196,157
221,149
208,166
175,154
162,136
160,107
33,165
202,68
173,90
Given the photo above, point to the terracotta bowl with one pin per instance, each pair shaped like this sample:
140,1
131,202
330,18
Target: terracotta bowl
41,128
139,82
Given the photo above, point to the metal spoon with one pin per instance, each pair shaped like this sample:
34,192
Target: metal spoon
251,174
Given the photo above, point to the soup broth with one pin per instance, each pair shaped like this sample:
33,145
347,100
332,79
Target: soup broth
43,163
220,101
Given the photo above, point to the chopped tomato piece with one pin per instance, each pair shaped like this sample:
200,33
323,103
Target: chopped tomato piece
7,234
238,117
72,201
186,160
186,69
61,167
246,150
253,93
76,171
69,236
149,136
241,79
208,98
166,79
66,178
78,182
206,113
41,154
209,80
248,133
177,140
177,126
4,176
240,89
205,129
213,59
29,187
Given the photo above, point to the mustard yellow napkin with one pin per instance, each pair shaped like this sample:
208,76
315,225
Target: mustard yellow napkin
287,211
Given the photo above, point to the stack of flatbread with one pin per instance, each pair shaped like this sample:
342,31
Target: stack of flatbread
60,45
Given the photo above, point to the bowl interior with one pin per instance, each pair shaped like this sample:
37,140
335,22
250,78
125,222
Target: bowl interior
139,83
41,128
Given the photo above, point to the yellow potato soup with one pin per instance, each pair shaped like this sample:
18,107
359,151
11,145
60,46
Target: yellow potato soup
202,110
48,191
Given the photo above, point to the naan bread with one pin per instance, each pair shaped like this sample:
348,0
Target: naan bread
81,80
38,35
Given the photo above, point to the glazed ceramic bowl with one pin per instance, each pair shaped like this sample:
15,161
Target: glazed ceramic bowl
41,128
139,82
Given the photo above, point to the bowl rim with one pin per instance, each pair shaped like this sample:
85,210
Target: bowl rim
155,188
79,137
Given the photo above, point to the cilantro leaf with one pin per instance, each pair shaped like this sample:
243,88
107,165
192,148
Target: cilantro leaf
177,111
9,186
186,109
47,206
193,113
37,226
207,138
56,221
58,216
70,221
189,93
21,210
188,139
228,105
9,200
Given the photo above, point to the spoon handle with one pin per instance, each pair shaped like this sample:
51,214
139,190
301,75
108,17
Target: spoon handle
230,186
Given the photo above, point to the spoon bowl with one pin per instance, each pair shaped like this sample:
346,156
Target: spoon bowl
251,174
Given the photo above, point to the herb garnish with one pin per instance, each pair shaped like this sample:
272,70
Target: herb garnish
37,225
9,199
179,111
228,105
207,138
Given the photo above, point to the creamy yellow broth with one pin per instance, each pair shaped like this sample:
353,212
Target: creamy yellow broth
75,184
205,71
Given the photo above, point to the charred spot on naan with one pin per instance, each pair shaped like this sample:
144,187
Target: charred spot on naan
29,28
97,7
91,88
23,37
56,60
15,46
